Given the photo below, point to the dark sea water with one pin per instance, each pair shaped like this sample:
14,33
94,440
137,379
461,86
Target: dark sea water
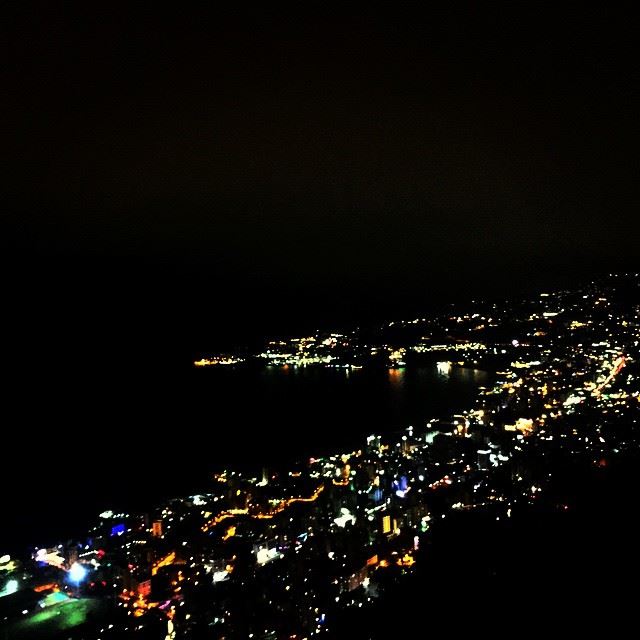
129,441
280,414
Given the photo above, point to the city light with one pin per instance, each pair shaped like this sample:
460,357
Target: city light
10,587
366,513
77,573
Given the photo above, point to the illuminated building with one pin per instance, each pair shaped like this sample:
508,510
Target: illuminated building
484,460
144,588
357,579
72,555
373,444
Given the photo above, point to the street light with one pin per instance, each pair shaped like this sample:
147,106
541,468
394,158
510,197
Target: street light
77,573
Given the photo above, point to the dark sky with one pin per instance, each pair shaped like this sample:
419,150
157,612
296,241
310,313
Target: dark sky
172,173
176,181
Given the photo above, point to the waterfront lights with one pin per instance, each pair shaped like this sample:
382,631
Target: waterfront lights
443,368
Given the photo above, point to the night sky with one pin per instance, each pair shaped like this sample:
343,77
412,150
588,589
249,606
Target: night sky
178,182
190,179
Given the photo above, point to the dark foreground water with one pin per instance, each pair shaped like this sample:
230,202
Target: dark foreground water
127,441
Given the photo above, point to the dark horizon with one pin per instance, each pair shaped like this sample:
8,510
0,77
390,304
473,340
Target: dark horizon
104,313
166,171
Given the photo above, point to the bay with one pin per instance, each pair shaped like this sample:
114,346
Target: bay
131,439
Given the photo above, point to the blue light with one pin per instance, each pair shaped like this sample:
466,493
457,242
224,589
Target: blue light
118,529
77,573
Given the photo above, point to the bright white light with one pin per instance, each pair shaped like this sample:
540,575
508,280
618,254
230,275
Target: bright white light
77,573
266,555
444,367
220,576
344,517
9,588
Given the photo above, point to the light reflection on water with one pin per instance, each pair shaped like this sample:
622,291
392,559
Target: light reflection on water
250,417
341,402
